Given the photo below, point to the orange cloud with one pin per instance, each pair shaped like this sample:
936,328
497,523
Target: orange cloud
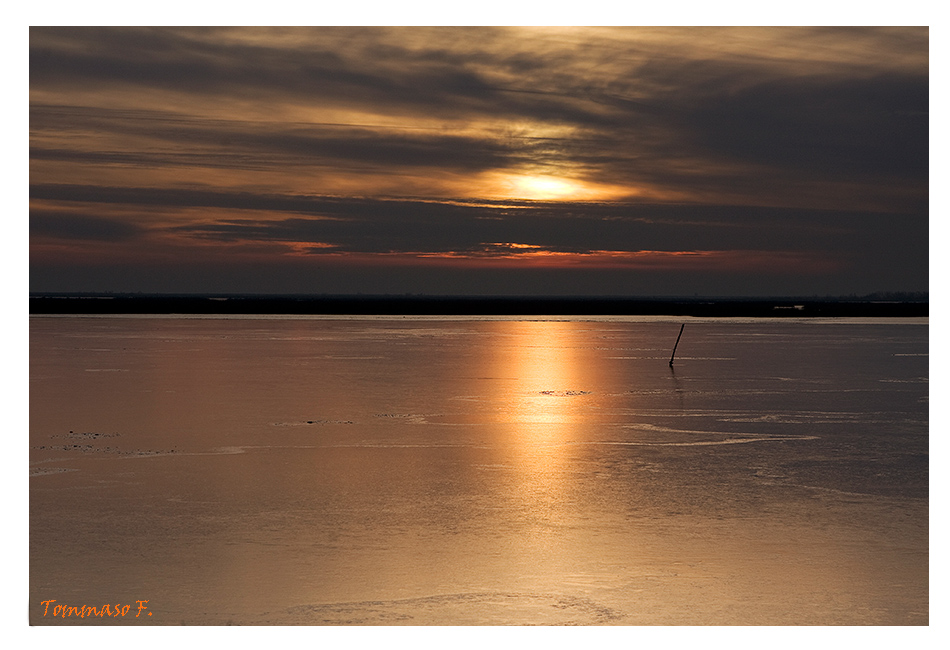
526,256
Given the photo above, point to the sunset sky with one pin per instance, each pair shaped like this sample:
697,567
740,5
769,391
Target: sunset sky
528,161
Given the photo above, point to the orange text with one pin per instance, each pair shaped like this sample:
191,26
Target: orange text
83,611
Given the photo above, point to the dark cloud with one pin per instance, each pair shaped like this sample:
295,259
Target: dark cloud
828,125
358,148
175,60
396,227
65,225
373,226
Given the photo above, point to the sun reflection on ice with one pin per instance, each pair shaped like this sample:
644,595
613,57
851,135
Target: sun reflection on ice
542,358
543,400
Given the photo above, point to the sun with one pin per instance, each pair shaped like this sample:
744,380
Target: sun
544,187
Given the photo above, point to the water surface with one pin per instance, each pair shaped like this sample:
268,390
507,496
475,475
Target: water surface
364,471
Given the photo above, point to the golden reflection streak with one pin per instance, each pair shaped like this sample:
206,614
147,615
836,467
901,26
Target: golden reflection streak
543,400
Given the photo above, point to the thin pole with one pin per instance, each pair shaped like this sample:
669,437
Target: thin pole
677,343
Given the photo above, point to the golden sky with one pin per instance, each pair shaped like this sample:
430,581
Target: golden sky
479,160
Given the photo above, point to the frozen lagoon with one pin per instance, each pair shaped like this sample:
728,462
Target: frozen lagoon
478,471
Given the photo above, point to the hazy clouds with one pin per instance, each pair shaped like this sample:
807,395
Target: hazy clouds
304,143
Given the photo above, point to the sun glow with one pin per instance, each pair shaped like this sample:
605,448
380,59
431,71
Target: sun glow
546,187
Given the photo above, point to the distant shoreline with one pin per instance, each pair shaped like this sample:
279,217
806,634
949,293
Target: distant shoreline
473,306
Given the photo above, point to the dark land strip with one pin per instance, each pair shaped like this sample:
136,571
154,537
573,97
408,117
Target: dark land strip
474,306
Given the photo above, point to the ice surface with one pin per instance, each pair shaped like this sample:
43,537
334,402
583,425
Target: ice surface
480,471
